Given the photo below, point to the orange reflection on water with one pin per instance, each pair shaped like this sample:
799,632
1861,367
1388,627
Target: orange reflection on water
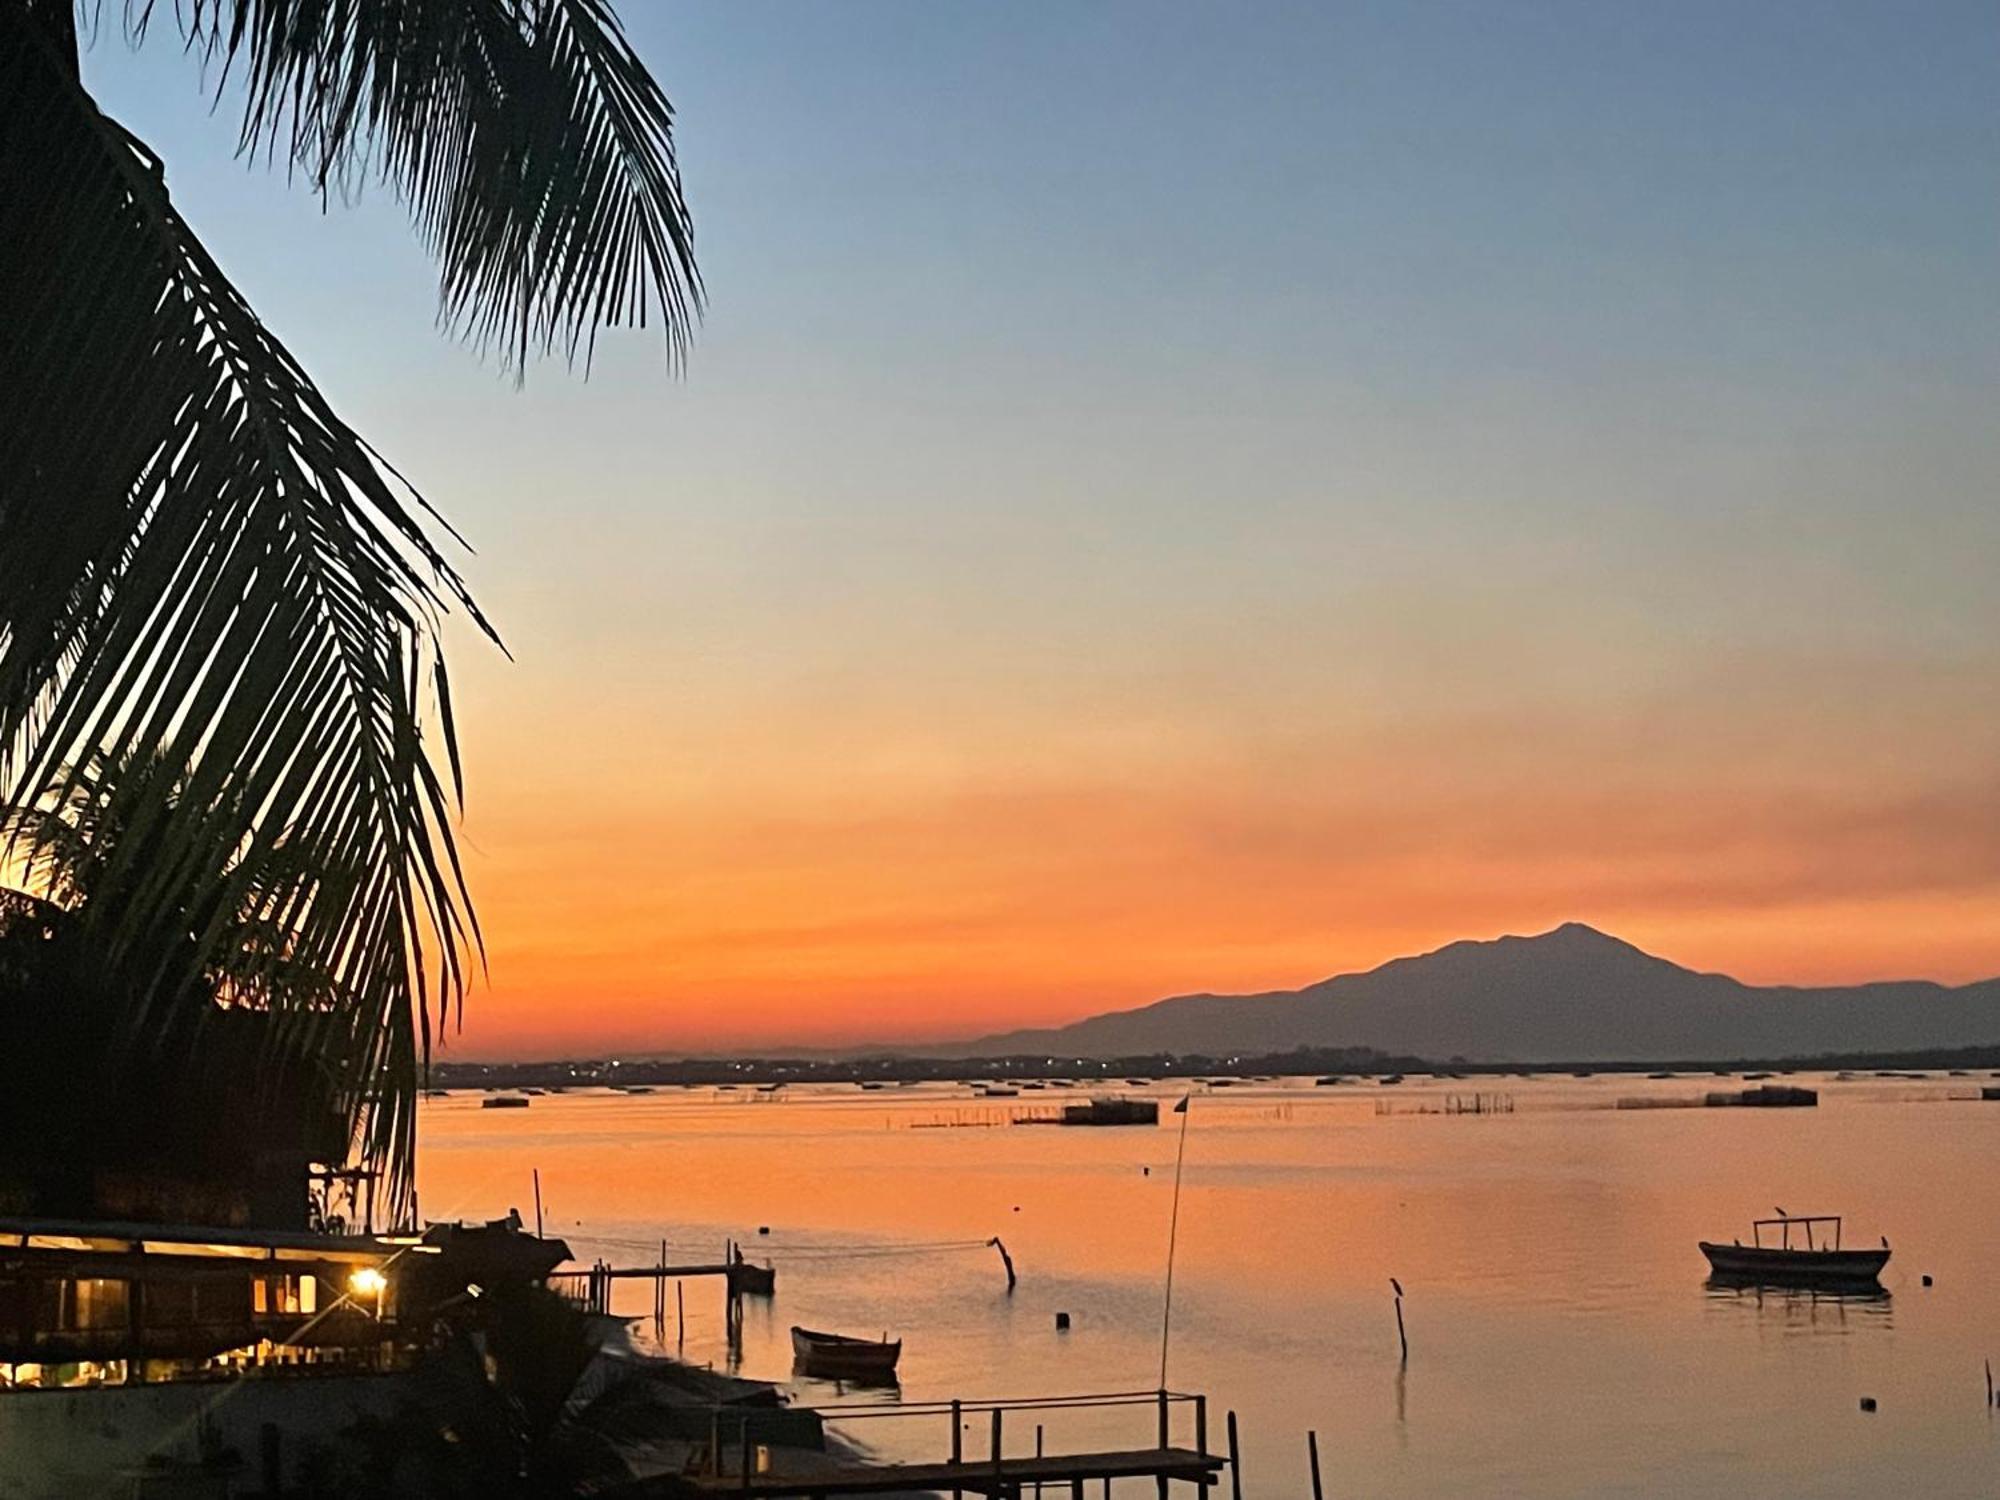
1562,1338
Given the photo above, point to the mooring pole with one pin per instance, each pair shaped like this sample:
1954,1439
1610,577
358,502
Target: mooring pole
957,1439
538,1202
1312,1453
1235,1462
1165,1431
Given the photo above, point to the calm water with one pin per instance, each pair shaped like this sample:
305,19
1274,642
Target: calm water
1562,1341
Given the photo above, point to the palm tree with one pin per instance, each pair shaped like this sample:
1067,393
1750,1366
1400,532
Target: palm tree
220,607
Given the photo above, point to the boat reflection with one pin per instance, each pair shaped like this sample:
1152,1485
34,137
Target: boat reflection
1813,1306
819,1386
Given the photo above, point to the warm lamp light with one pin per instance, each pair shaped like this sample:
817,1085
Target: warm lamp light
367,1282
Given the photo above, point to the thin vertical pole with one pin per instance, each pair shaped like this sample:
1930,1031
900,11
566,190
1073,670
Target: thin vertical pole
1161,1481
1235,1462
996,1442
957,1439
1173,1236
538,1202
1201,1424
1038,1454
1312,1452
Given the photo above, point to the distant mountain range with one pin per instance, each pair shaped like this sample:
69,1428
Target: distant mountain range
1571,995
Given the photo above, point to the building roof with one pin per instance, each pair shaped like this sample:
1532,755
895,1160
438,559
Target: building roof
203,1240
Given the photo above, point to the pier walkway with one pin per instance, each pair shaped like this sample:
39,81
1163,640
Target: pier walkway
976,1476
733,1464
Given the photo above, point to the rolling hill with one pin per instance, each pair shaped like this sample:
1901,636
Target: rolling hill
1573,994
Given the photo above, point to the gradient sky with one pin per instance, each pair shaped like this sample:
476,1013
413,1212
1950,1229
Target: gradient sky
1202,497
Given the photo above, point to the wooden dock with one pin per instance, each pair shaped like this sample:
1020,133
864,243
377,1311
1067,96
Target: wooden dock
732,1464
1004,1479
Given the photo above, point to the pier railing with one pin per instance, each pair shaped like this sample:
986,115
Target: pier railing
977,1457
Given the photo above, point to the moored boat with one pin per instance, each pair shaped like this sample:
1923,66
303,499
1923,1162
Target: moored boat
1820,1261
841,1356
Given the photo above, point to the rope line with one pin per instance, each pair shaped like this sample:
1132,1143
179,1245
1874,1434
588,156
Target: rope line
824,1252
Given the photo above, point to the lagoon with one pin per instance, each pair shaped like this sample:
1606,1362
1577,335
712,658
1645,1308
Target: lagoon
1563,1339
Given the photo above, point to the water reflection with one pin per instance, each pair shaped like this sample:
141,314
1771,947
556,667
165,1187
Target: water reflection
1549,1254
1825,1309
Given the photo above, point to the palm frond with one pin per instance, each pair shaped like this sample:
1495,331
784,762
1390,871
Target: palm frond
209,575
534,149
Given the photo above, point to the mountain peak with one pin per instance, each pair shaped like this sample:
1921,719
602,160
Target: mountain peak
1582,934
1570,992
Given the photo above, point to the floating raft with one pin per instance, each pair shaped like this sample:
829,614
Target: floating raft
1112,1112
1768,1096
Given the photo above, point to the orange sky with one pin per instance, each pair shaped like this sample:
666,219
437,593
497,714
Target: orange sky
1098,550
750,878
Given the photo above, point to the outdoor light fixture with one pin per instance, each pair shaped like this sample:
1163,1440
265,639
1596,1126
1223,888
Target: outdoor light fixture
367,1282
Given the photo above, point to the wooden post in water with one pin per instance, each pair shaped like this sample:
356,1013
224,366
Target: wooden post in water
957,1439
1235,1462
1312,1454
1164,1433
996,1445
538,1202
1201,1424
1038,1454
680,1312
1402,1338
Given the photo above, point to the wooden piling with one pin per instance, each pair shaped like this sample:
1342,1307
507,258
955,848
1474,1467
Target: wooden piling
957,1439
538,1202
1235,1462
1165,1432
1312,1456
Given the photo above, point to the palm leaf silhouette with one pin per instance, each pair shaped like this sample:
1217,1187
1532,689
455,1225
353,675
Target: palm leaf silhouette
210,576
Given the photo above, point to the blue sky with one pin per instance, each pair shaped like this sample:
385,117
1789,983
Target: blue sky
1438,468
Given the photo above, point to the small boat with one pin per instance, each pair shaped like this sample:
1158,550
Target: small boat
504,1101
838,1355
1820,1261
